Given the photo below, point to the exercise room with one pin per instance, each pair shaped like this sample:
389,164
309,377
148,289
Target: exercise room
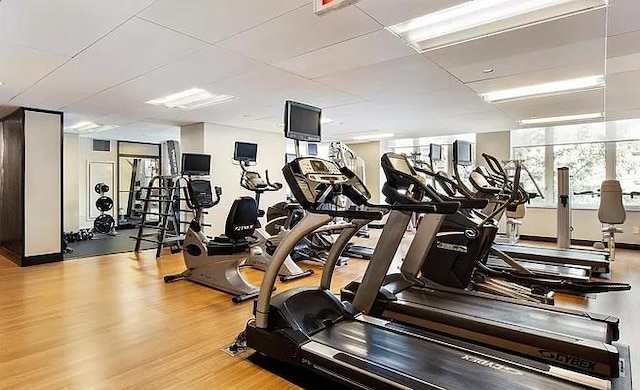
313,194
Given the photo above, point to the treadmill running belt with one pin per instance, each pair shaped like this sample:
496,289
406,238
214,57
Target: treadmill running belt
568,254
543,268
431,363
505,312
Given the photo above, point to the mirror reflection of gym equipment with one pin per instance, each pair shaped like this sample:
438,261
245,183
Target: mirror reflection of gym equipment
115,189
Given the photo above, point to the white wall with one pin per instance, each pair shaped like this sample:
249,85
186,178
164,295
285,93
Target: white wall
496,144
371,152
42,184
71,182
542,222
219,141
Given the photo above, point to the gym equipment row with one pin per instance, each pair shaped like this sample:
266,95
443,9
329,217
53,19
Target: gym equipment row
413,333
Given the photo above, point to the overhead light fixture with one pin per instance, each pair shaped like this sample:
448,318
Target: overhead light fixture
480,18
546,89
90,127
191,99
325,120
373,136
559,119
1,83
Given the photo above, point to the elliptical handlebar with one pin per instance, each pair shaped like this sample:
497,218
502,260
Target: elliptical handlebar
494,165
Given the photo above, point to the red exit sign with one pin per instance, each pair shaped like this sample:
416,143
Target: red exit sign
322,6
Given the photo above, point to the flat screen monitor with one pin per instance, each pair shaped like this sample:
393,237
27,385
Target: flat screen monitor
289,157
302,122
196,164
463,153
312,149
435,152
245,151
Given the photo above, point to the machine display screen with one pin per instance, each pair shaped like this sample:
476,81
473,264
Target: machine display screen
463,152
401,164
318,166
245,151
302,122
196,164
435,152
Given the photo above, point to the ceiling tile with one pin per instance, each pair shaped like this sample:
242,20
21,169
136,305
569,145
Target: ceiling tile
623,91
576,56
74,81
273,86
365,50
538,77
390,12
435,105
63,26
390,78
623,44
203,67
577,28
623,16
214,21
299,32
567,104
139,47
20,67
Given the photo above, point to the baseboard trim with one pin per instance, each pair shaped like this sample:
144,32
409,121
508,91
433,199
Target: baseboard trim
620,245
28,261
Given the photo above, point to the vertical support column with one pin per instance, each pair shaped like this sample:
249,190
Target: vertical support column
564,208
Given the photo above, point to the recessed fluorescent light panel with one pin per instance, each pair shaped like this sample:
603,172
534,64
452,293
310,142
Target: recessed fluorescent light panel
560,119
546,89
191,99
373,136
480,18
89,127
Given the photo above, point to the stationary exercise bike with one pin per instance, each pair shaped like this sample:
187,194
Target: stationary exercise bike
216,263
260,256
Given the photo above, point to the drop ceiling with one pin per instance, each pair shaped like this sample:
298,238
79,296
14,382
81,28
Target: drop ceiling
101,61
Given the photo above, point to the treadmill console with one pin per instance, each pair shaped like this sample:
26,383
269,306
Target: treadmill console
404,184
321,171
314,181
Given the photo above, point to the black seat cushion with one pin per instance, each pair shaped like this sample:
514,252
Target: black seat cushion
223,245
242,218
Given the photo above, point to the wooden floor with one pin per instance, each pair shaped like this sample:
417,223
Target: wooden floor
110,322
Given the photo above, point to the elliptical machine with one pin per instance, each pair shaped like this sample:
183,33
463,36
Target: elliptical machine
260,255
216,263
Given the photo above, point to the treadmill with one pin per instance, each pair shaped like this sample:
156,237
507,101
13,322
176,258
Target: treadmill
526,329
485,182
310,328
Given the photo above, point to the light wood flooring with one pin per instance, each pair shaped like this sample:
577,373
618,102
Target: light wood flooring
111,323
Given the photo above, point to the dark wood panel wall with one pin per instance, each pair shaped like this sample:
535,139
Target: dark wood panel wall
12,184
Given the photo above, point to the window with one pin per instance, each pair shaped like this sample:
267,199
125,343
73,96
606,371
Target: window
587,170
592,151
534,160
628,169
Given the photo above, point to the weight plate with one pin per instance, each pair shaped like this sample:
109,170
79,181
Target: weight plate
104,203
104,224
101,188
